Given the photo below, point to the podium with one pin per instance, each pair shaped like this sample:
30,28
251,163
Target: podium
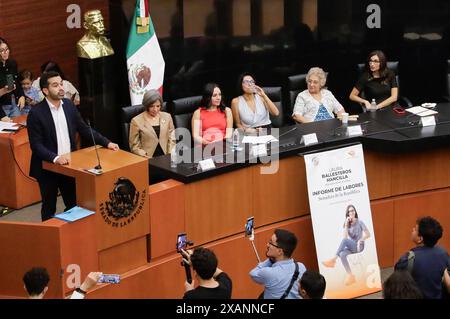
119,197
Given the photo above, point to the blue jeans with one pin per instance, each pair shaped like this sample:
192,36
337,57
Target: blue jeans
11,110
347,247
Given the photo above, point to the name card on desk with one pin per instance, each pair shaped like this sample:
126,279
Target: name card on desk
309,139
206,164
259,150
428,121
354,130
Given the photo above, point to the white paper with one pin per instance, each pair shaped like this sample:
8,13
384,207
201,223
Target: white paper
259,150
309,139
250,139
354,130
8,126
206,164
420,111
428,121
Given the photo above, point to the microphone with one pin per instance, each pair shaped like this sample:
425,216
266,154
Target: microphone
98,167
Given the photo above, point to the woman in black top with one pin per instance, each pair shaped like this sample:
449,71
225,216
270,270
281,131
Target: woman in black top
377,82
8,68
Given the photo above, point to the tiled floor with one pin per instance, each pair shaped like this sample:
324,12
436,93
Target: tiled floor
32,214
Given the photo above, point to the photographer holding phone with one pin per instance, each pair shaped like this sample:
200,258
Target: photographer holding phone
10,92
213,283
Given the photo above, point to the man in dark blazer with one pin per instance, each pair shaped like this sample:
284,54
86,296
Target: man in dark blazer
52,125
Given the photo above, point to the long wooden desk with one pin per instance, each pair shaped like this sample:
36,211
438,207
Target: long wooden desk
404,183
18,188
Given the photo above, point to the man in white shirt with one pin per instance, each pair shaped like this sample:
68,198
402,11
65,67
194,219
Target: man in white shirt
52,127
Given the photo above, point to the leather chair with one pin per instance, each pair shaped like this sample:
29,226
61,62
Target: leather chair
447,96
393,66
296,84
126,116
274,94
182,110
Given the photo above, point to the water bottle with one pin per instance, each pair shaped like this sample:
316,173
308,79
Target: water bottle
174,157
373,106
236,140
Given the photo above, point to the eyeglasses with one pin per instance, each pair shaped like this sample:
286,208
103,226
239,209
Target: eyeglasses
248,82
270,243
374,61
4,50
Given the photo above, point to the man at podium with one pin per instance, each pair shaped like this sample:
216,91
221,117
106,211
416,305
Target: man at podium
52,125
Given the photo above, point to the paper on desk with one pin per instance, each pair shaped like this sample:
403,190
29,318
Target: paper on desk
8,126
250,139
420,111
74,214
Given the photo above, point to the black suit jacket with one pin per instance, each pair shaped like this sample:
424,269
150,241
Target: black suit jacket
42,133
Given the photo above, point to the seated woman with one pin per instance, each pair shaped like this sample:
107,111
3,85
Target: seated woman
152,132
213,121
377,82
251,109
355,233
316,103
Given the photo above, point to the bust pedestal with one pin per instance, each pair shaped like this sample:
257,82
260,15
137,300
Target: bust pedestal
98,86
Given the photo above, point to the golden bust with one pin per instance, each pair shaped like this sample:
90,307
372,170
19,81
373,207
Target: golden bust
94,44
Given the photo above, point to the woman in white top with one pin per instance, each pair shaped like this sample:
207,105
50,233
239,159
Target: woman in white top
252,108
71,92
316,103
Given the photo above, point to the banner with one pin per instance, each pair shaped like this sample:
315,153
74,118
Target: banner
145,62
342,222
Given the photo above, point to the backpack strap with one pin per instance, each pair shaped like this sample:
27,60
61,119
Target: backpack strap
294,278
411,257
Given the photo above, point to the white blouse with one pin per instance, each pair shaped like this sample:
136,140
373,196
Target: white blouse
308,107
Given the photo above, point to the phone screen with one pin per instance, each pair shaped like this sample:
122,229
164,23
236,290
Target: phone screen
109,278
249,226
181,241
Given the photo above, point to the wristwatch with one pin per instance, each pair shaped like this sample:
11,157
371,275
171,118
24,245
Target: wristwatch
79,290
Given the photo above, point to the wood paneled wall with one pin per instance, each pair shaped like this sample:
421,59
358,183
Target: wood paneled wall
37,31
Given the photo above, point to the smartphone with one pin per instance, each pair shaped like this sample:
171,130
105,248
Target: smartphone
109,279
249,225
10,81
181,241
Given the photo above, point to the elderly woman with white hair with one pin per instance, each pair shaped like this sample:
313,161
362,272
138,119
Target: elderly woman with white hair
152,132
316,103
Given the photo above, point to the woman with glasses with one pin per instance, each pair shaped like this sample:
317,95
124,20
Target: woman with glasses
12,98
252,107
377,82
355,233
316,103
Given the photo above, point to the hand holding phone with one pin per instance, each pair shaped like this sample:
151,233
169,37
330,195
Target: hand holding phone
10,81
181,241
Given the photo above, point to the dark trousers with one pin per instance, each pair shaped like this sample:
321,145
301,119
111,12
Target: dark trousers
49,183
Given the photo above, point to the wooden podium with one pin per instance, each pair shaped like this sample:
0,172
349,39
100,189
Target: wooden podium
119,197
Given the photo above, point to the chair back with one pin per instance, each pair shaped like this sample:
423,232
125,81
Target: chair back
182,110
274,94
126,116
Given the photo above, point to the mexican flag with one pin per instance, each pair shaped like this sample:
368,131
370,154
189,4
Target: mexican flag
145,62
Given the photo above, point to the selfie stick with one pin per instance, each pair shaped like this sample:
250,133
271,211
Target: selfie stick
256,252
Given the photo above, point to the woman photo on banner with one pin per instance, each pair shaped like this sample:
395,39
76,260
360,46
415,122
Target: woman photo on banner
355,233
